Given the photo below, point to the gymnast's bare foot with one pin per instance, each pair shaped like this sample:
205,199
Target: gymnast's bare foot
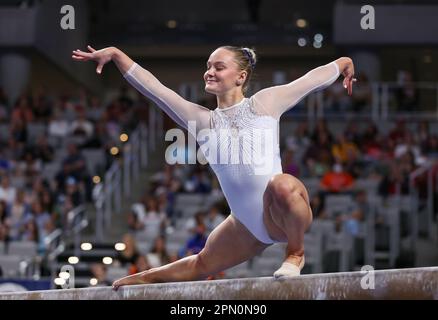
138,278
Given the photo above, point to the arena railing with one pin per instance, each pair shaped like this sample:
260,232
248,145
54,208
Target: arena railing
118,180
378,101
426,170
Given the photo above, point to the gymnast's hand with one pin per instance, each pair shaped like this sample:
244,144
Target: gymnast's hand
102,56
348,73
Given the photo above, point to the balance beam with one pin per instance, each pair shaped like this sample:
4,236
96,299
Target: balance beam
415,283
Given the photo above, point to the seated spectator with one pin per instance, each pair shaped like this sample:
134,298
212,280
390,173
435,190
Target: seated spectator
43,222
198,182
431,147
58,127
140,264
289,165
344,151
13,152
192,223
213,219
128,256
318,207
75,162
197,242
42,107
7,191
362,94
154,220
22,111
95,110
42,150
18,212
337,180
370,144
398,133
5,162
4,227
29,231
82,127
158,255
407,92
406,144
134,223
29,166
352,222
99,272
18,131
318,157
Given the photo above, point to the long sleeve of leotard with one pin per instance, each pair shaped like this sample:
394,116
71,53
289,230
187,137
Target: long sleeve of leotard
277,100
179,110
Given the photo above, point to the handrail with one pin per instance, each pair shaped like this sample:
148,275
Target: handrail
317,104
118,180
415,199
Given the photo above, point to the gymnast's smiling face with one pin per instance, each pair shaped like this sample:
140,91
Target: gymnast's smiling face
223,73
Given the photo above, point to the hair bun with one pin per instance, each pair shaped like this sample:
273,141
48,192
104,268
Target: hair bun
250,53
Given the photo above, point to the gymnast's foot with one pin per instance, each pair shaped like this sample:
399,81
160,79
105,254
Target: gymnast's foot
291,267
138,278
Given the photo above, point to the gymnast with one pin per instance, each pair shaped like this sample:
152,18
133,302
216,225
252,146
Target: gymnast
267,206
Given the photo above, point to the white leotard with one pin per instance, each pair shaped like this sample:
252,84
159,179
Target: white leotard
253,123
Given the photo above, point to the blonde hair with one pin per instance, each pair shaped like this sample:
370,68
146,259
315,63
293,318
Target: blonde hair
246,59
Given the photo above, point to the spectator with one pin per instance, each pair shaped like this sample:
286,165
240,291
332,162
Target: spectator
318,157
82,127
362,94
406,93
344,151
128,256
154,220
22,111
197,242
99,272
406,144
158,255
58,127
337,180
42,150
140,264
289,165
213,219
318,206
18,212
7,191
43,222
29,167
4,227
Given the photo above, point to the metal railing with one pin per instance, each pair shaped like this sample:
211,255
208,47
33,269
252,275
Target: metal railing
385,100
416,201
118,180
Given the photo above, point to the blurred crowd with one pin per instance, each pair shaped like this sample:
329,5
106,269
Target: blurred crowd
43,172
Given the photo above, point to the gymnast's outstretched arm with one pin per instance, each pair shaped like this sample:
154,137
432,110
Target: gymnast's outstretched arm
180,110
277,100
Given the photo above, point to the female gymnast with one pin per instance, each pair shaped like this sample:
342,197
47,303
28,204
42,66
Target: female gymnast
266,207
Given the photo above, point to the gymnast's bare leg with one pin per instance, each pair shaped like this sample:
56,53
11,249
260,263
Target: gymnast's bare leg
228,245
287,215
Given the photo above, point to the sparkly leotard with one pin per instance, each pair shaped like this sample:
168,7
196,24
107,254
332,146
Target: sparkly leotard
243,144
